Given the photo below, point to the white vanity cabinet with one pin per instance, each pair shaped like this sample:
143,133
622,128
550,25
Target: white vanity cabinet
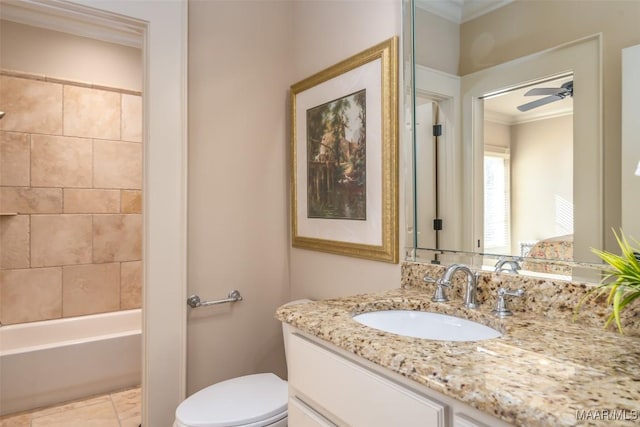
330,387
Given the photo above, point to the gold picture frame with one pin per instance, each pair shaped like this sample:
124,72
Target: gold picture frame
344,157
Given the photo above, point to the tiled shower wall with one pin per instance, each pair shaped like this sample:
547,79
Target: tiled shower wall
70,199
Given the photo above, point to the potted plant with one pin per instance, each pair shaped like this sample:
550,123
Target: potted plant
621,279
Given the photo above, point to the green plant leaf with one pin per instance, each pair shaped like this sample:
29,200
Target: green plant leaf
621,278
616,307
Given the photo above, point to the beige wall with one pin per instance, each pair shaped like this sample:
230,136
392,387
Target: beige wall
541,177
243,56
497,134
525,27
54,54
71,169
239,73
437,42
317,46
630,169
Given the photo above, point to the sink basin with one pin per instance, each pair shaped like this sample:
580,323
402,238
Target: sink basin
428,325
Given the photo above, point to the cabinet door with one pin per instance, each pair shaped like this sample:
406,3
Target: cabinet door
301,415
354,394
461,420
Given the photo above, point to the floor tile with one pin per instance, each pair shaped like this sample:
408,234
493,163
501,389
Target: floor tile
118,409
98,415
127,403
131,422
23,420
70,406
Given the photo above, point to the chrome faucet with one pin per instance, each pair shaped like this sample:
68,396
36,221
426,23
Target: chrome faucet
509,265
470,300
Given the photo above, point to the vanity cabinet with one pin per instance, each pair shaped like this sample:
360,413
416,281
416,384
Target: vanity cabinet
331,387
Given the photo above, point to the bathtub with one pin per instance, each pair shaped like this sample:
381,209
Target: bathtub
44,363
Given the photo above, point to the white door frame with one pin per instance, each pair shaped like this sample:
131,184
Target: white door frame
445,88
581,57
163,25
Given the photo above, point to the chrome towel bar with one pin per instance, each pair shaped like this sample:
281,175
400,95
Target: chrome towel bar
194,300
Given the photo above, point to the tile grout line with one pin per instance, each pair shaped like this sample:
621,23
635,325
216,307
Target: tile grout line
115,409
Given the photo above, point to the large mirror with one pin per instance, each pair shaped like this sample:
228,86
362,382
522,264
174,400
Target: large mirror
513,156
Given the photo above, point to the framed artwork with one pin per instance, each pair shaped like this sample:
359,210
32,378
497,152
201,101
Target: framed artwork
344,157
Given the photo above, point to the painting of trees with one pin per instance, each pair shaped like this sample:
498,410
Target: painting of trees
336,158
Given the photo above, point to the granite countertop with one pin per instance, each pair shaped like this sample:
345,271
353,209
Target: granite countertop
538,373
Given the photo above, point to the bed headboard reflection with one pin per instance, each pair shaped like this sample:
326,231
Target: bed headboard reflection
553,248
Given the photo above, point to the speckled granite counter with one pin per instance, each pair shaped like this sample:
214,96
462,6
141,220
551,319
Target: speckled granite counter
539,373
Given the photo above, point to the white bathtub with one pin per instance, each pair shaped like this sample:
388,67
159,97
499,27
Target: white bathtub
44,363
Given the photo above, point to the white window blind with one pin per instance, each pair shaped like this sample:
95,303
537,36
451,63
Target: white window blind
497,203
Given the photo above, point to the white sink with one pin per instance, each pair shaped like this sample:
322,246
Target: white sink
428,325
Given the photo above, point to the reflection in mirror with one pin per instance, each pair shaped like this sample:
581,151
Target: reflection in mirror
555,163
528,199
523,192
585,198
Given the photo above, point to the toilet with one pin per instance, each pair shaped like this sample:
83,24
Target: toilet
258,400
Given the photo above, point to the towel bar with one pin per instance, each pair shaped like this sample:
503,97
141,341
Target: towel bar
194,300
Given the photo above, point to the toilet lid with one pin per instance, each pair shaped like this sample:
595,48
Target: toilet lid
235,402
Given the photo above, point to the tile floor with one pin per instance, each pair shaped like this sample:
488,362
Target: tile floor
117,409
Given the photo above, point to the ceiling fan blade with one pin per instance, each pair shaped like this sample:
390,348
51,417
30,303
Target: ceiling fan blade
540,91
538,103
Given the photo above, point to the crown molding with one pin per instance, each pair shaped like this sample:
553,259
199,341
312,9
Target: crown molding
460,11
517,119
50,16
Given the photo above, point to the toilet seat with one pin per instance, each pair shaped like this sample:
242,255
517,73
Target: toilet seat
251,401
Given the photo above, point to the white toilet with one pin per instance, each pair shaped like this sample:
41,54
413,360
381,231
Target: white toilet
258,400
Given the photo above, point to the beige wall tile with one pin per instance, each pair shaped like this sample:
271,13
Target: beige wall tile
131,118
117,238
31,105
131,201
60,240
27,200
91,288
60,161
30,295
14,159
117,164
131,285
14,241
91,201
91,113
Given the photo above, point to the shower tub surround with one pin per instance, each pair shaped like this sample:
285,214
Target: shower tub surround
54,361
70,240
70,198
545,370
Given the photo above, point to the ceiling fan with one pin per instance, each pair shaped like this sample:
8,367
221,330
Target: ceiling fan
553,94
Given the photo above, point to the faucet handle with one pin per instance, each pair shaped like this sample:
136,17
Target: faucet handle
501,309
439,295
